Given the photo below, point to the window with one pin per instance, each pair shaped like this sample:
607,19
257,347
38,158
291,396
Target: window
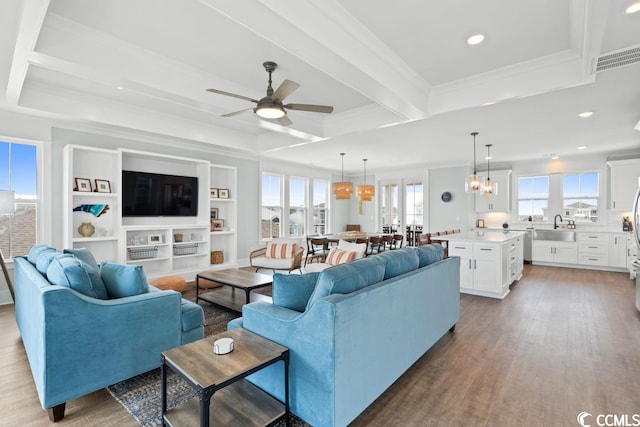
271,215
580,196
297,206
533,198
320,206
389,207
413,203
18,172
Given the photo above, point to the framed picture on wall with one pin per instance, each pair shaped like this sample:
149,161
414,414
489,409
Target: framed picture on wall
223,193
214,213
213,193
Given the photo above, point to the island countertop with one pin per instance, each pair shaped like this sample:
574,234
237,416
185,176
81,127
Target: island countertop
488,236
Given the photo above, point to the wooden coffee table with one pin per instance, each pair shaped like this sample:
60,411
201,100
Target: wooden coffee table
234,282
224,396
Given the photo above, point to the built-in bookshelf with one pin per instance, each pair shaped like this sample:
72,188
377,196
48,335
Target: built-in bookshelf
162,245
223,207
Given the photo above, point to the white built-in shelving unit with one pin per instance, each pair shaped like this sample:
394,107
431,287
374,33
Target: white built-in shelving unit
225,240
88,164
162,245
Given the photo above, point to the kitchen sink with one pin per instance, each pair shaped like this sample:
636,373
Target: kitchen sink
555,235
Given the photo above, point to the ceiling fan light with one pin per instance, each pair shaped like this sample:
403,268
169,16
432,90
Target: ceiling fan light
635,7
270,111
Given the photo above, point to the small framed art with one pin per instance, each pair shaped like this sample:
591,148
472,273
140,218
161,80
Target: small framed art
154,239
83,184
217,224
213,193
223,193
103,186
214,213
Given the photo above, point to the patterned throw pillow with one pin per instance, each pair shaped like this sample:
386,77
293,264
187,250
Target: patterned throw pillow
281,250
337,256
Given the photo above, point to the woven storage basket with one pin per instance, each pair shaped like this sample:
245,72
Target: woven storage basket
217,257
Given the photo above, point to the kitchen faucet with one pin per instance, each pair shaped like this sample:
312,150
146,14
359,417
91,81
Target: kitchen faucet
555,224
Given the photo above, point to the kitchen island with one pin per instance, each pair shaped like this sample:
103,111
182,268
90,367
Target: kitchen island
490,261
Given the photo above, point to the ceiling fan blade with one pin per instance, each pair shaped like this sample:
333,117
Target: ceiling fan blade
310,107
221,92
235,113
285,89
282,121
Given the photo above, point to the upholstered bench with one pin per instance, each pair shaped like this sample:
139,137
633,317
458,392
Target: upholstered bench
175,283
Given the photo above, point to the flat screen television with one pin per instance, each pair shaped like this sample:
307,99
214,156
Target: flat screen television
154,194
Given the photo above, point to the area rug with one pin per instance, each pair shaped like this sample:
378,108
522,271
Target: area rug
141,395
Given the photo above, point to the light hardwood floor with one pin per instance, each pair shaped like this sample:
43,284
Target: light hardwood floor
562,342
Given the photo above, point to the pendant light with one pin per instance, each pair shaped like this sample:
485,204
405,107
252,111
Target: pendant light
473,183
343,190
490,188
365,192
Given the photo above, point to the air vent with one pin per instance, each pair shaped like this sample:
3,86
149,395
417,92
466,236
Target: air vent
619,58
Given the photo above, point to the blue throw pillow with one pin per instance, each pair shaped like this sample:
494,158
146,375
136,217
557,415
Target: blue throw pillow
84,255
44,260
399,261
428,254
36,251
349,277
293,290
67,270
123,280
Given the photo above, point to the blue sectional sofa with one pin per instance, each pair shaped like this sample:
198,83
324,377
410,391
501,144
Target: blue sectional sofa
353,329
86,326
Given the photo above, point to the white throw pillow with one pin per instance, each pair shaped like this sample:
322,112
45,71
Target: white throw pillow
358,248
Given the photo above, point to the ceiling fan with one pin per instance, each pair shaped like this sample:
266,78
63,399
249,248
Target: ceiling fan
271,107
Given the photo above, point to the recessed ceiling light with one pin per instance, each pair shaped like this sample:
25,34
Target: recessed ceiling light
475,39
635,7
586,114
555,157
581,147
488,103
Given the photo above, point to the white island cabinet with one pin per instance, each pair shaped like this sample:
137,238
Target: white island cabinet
490,261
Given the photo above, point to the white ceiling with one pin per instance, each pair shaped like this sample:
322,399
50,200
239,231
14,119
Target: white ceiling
406,87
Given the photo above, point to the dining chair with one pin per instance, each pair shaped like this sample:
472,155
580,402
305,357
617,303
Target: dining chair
387,241
317,249
397,241
375,245
364,240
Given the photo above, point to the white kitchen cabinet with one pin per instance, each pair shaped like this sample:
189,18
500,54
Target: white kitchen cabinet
623,183
544,251
618,250
593,249
488,268
501,202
